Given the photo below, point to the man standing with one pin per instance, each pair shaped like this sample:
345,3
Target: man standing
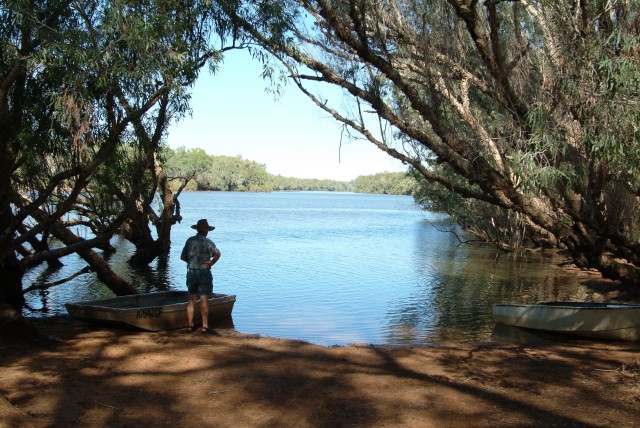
200,253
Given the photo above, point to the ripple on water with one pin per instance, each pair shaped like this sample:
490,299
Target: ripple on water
330,268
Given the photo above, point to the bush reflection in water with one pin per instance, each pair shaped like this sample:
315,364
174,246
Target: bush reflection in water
330,268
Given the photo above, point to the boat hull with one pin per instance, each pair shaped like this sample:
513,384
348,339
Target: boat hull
595,320
164,310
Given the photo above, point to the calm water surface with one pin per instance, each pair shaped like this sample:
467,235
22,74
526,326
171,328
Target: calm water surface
330,268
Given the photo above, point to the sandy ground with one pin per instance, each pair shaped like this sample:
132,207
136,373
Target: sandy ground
99,377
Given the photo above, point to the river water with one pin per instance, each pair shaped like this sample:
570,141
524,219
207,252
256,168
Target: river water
329,268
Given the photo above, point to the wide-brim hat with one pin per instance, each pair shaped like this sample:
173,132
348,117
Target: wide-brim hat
202,224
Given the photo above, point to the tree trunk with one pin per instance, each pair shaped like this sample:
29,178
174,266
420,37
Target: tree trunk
105,274
40,246
115,282
145,255
11,284
138,231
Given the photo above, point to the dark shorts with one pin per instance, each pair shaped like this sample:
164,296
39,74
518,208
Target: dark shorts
199,281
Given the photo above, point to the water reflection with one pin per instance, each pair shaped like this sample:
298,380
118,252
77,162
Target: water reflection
331,269
457,285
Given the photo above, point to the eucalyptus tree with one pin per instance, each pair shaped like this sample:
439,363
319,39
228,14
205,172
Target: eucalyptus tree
86,91
529,106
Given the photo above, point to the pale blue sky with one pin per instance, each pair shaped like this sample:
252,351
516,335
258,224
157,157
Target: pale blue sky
233,115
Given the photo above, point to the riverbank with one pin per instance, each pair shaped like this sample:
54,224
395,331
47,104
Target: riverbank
98,377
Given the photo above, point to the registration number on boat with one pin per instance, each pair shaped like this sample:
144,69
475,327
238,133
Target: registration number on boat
149,313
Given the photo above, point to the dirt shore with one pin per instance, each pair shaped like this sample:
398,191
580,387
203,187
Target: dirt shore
99,377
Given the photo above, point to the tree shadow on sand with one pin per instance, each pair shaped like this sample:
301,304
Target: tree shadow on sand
107,377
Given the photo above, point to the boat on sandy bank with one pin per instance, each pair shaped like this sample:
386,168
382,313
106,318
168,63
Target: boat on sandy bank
163,310
614,321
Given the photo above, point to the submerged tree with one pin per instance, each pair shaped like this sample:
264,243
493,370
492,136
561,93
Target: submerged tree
528,106
87,89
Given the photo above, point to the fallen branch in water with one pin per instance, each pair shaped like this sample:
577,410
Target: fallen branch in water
41,286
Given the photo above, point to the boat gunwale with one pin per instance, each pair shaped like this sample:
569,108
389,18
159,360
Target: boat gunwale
100,303
571,305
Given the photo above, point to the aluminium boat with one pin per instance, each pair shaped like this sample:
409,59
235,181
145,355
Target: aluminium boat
163,310
614,321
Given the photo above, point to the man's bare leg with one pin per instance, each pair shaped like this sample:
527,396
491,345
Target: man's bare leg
204,309
191,309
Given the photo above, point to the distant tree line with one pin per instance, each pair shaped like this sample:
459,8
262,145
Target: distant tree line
389,183
235,174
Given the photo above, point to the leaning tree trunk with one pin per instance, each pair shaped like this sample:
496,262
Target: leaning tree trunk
115,282
40,246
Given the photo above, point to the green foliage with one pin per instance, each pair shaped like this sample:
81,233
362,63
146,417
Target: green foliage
88,91
487,222
388,183
183,163
76,73
235,174
231,174
611,114
281,183
221,173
